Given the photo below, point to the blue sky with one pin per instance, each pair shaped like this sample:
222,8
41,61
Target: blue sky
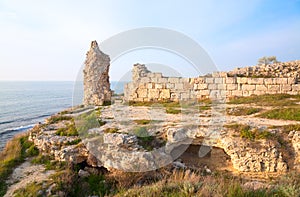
48,40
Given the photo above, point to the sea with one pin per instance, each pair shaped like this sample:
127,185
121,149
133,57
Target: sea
26,103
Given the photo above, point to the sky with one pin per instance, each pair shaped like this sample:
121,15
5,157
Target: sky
48,40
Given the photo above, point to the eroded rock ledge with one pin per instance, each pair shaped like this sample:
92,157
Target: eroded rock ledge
116,144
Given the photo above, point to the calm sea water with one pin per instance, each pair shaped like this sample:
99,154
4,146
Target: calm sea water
24,104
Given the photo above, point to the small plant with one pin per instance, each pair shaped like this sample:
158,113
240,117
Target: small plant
69,130
171,110
242,111
111,130
74,142
142,121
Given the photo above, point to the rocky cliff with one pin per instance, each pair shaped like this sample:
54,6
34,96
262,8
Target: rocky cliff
96,79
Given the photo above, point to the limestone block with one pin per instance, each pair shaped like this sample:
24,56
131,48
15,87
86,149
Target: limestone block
229,80
200,80
145,79
269,81
165,94
221,86
158,86
209,80
157,75
154,79
219,80
232,87
173,79
142,85
212,86
203,86
187,86
175,96
185,80
150,85
246,93
258,92
261,88
170,85
296,87
291,80
243,80
204,92
281,81
179,86
142,93
286,87
163,80
153,93
273,87
259,81
247,87
236,93
185,95
195,86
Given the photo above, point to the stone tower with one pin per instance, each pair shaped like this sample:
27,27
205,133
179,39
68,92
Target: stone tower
96,80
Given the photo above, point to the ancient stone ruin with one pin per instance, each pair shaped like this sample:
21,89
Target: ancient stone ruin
96,80
148,86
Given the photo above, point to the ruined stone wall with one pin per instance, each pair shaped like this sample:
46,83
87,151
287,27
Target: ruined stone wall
148,86
96,79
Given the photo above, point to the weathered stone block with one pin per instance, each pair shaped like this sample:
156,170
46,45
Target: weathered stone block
221,86
258,81
229,80
203,92
202,86
291,80
163,80
296,87
281,81
173,80
150,85
286,87
219,80
209,80
200,80
236,93
261,88
246,93
185,80
187,86
232,87
165,94
243,80
269,81
179,86
273,87
247,87
157,75
195,87
185,95
258,92
145,79
170,85
158,86
212,86
153,93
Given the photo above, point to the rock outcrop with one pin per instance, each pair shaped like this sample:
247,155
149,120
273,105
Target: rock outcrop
96,80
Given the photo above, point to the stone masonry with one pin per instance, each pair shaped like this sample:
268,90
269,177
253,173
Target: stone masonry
96,80
148,86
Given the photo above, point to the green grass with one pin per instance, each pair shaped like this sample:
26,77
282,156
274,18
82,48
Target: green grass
58,118
87,121
242,111
282,113
247,132
30,190
268,100
14,153
171,110
69,130
287,128
74,142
